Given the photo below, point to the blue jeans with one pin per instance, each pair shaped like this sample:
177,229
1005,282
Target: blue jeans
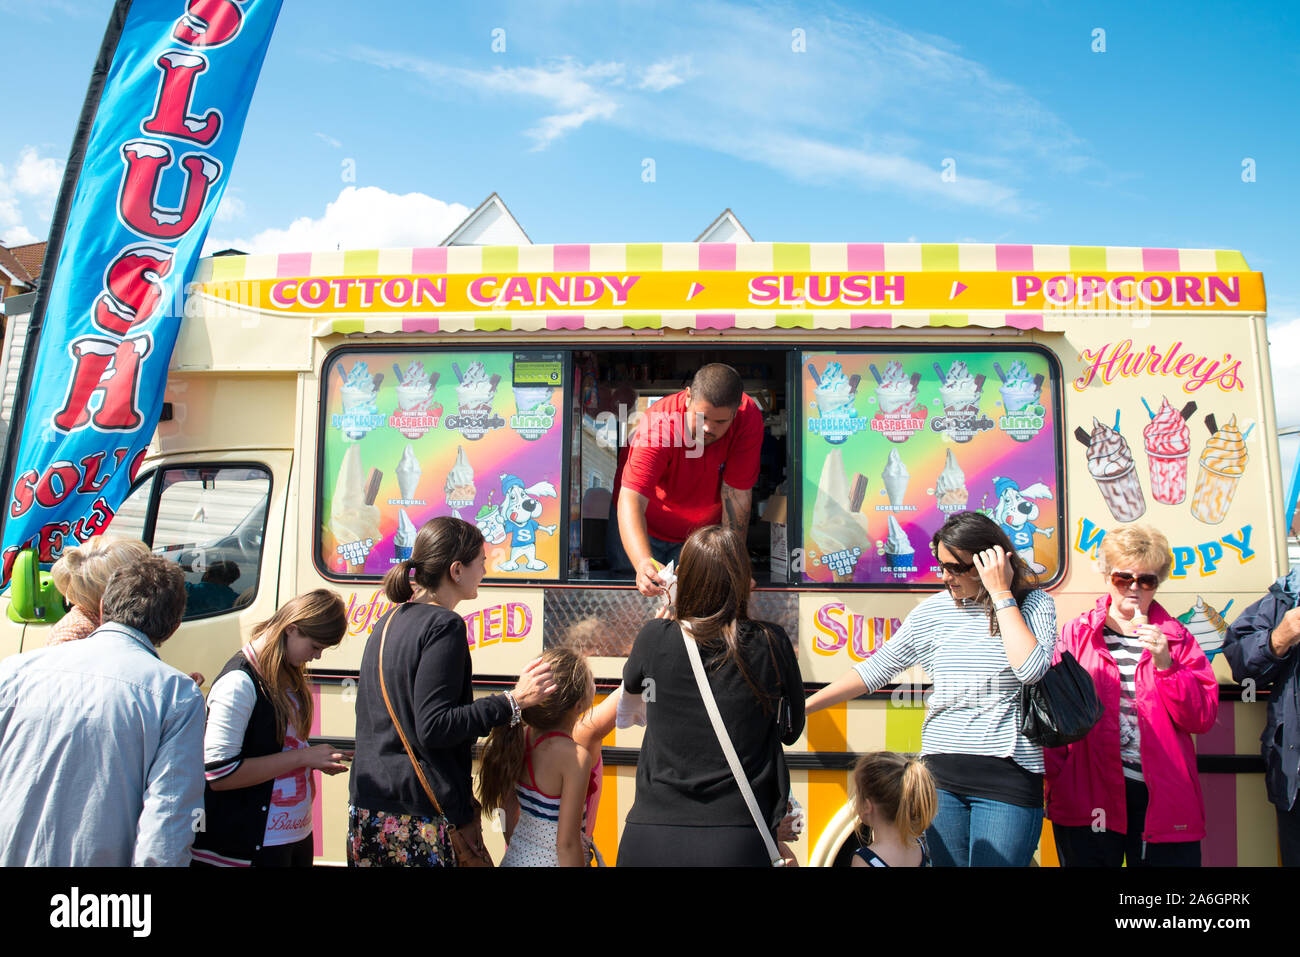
977,832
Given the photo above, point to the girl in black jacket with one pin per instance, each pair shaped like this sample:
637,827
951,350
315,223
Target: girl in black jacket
258,800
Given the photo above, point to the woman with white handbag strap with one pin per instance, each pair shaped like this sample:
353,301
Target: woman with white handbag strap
691,805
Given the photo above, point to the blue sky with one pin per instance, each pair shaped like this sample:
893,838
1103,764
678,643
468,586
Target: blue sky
1142,144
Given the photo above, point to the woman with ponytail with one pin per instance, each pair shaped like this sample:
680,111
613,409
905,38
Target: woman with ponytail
895,800
256,757
411,801
538,777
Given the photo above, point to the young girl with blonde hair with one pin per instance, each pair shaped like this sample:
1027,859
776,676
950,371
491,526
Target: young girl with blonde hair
895,800
256,758
538,775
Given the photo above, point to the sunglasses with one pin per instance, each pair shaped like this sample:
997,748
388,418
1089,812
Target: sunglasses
957,568
1147,582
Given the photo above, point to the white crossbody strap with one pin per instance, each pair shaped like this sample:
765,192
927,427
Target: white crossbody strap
724,739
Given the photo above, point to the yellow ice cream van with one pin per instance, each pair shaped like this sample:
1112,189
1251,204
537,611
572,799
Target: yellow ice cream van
321,407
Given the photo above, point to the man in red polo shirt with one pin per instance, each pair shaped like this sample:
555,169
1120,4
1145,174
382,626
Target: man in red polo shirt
692,461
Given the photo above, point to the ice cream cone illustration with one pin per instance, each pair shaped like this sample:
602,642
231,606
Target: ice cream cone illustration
899,553
404,540
354,517
895,391
950,492
460,482
895,477
408,475
1110,462
1222,463
839,532
1168,442
474,392
1206,625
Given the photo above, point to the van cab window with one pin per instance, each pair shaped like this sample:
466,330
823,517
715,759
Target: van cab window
210,521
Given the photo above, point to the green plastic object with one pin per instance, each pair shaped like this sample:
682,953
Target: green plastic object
32,595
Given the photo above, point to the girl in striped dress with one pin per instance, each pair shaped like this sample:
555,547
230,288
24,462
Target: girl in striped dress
538,777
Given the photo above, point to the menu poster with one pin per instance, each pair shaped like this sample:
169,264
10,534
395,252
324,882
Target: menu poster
894,443
410,436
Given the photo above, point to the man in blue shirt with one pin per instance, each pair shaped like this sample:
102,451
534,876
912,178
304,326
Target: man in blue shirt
101,744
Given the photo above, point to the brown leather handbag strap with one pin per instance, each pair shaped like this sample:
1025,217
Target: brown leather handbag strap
383,689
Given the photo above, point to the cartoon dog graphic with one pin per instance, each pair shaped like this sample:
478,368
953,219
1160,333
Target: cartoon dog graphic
1016,513
519,512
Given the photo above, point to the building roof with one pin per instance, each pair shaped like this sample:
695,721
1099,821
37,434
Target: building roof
725,229
30,256
491,224
12,268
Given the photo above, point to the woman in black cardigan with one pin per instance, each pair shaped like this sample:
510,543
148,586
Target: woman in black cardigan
426,671
689,810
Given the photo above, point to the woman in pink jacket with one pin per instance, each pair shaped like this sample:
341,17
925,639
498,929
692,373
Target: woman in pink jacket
1129,790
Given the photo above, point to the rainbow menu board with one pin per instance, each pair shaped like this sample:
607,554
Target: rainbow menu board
895,442
409,436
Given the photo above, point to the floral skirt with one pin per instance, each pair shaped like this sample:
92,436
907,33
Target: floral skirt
380,839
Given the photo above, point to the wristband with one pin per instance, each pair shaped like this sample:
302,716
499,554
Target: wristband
515,714
1004,603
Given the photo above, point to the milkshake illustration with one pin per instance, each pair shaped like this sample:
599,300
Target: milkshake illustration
414,389
1168,442
899,553
490,523
1222,463
895,477
408,475
899,417
1111,464
950,492
1206,625
895,392
474,392
460,482
354,517
833,393
359,393
531,399
960,395
836,418
839,532
1020,390
404,540
534,414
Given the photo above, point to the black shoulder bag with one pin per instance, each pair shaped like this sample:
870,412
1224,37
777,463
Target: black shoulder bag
1061,708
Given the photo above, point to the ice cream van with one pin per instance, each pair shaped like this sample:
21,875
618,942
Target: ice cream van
321,407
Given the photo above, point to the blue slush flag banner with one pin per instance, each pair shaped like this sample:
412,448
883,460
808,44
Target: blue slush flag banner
152,156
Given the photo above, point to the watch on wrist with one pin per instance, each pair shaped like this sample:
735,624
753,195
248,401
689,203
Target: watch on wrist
1009,602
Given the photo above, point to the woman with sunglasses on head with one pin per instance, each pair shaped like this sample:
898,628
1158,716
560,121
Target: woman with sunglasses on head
1138,765
988,633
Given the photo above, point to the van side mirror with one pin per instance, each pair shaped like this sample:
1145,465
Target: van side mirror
32,595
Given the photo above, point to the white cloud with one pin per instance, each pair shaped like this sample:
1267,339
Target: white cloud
37,176
364,217
665,74
329,140
870,105
231,208
1284,357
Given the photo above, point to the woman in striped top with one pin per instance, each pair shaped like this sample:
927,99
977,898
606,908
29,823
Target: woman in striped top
1130,790
989,632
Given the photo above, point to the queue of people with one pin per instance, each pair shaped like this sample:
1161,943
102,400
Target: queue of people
718,692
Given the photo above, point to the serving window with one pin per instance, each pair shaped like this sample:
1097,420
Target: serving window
893,442
408,435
